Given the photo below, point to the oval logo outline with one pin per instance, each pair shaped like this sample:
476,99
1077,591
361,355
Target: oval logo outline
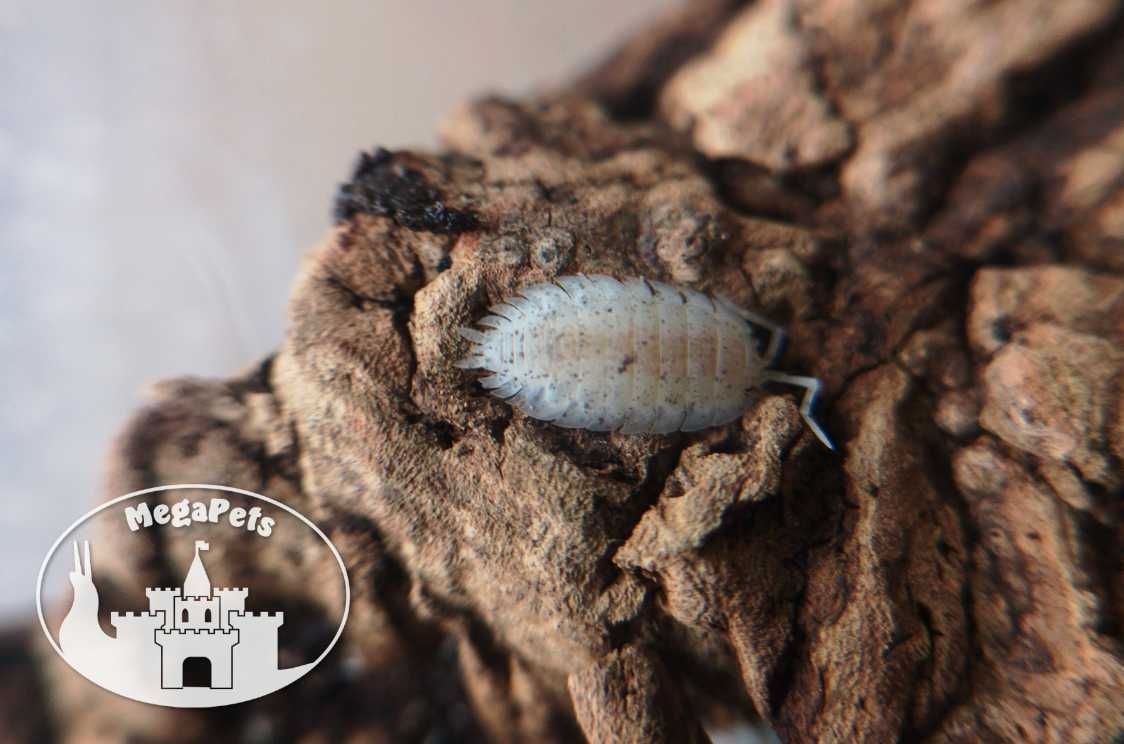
184,487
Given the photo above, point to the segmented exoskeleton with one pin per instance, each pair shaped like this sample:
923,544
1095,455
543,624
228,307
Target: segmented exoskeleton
637,356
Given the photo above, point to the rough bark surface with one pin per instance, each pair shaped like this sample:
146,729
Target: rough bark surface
929,194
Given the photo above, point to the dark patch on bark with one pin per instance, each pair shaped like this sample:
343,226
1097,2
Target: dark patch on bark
382,187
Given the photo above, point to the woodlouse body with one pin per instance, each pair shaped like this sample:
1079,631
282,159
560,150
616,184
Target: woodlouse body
636,356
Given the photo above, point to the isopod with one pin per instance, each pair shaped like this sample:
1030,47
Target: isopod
634,356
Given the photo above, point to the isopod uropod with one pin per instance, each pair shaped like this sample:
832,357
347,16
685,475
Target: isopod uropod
635,356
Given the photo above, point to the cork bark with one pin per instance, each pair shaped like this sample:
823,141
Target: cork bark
928,194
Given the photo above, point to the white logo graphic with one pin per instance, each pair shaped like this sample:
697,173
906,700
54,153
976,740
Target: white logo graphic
195,645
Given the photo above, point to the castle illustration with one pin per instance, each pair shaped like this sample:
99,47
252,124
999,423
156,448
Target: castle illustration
195,646
202,628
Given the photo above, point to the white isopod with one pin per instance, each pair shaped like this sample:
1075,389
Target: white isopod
634,356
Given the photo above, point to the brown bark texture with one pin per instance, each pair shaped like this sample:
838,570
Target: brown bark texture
928,194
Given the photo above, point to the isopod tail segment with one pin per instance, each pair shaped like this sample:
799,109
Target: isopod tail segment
811,389
776,333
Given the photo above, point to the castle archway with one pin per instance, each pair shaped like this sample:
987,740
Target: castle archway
196,671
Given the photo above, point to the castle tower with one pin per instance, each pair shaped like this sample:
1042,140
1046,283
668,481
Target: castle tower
197,583
162,601
195,608
230,600
197,631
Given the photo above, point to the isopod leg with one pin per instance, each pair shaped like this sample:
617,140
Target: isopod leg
811,389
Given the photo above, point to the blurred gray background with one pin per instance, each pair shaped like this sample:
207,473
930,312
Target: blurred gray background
163,165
